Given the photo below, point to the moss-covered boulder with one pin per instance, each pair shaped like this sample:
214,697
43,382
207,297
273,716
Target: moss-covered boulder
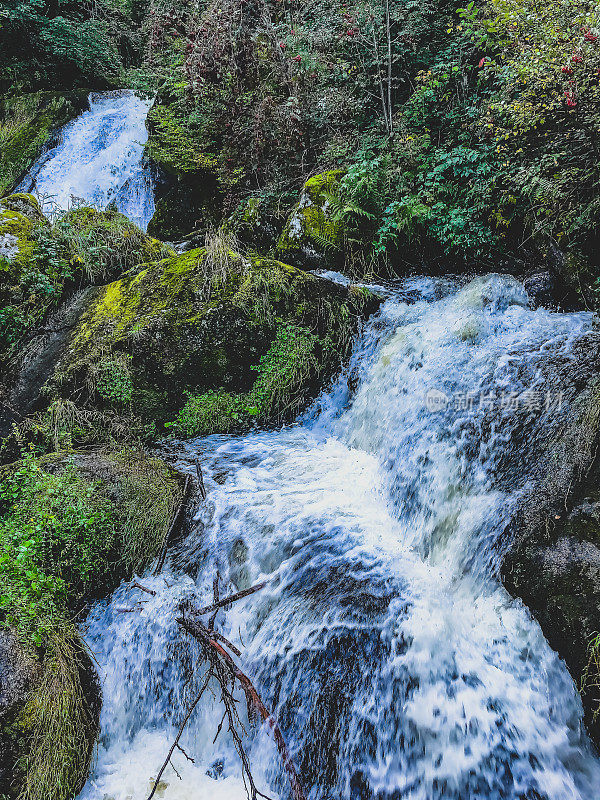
204,323
71,527
27,124
42,265
312,236
187,194
107,243
257,223
20,216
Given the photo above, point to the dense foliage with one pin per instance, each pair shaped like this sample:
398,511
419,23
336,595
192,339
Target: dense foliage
466,133
50,43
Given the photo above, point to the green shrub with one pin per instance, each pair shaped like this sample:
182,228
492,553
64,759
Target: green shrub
283,378
56,535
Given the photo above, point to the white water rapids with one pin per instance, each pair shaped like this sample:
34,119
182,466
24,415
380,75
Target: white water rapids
98,159
397,665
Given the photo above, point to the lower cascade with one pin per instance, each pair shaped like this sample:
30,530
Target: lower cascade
98,160
395,662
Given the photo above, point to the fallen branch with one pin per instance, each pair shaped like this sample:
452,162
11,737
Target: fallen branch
179,732
209,641
227,600
200,479
173,525
143,588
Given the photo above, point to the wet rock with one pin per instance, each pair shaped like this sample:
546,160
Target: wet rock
540,288
547,290
553,562
188,198
19,673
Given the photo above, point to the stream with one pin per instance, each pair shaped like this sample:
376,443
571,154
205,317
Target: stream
396,663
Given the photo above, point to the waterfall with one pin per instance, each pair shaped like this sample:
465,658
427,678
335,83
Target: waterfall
99,160
396,663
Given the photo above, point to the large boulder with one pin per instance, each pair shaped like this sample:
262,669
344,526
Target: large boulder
104,514
313,236
19,673
553,562
208,321
44,271
187,194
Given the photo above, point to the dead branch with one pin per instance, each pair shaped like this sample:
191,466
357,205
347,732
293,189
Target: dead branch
210,644
227,600
143,588
180,731
173,525
200,479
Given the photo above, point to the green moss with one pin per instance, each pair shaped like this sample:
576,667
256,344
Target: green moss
60,721
172,145
195,325
73,526
211,412
26,124
107,243
312,232
283,375
25,204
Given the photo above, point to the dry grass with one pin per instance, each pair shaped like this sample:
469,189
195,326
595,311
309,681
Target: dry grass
61,721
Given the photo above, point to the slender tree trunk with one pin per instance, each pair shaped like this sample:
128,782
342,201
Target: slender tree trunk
389,68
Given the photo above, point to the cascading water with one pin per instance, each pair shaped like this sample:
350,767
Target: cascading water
397,665
99,159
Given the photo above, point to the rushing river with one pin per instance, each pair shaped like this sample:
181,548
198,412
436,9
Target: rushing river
397,665
98,159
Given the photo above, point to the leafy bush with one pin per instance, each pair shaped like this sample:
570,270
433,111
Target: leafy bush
56,533
74,43
277,394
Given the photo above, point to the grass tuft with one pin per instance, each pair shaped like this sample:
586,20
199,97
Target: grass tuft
60,720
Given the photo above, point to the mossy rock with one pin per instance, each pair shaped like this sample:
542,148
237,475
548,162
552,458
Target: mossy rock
28,123
108,243
25,204
172,144
187,192
256,224
17,242
312,237
49,693
182,209
201,322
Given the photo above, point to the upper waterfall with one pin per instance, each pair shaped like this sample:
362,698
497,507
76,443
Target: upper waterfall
99,159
